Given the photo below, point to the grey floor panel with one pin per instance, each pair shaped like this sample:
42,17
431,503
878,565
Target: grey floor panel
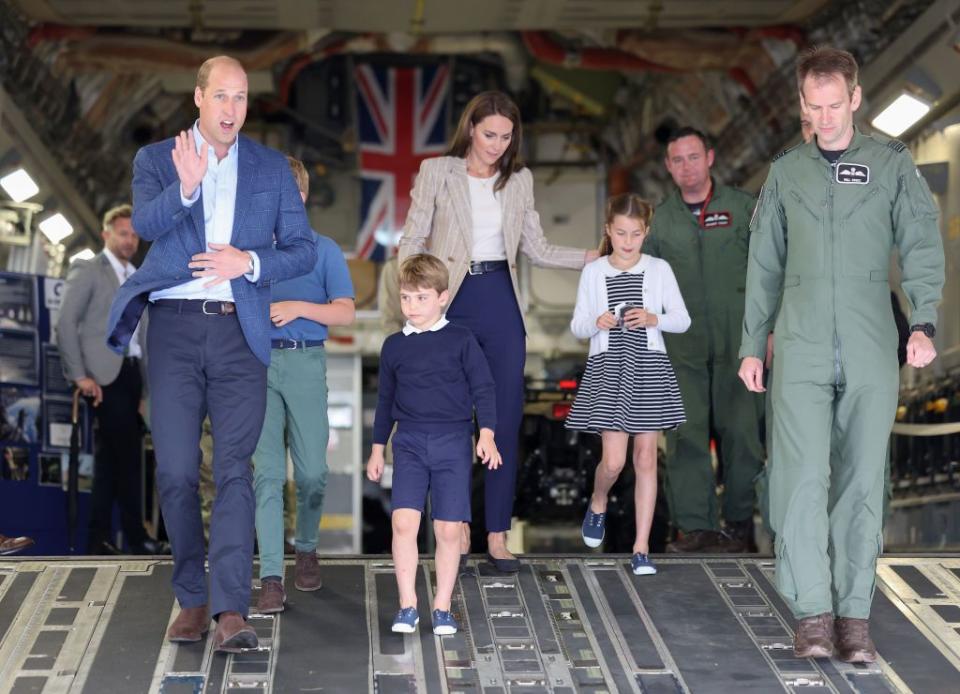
564,625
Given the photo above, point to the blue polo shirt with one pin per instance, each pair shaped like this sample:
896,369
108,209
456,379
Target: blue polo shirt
329,280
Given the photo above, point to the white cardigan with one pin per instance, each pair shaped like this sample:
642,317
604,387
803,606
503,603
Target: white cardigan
661,296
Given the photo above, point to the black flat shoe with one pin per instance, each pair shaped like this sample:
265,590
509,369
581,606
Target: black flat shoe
504,566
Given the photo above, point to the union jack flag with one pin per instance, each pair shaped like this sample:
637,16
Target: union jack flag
401,120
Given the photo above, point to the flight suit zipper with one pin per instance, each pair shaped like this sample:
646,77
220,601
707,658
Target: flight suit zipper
833,270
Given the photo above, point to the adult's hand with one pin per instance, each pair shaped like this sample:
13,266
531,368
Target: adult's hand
90,389
920,350
751,373
191,166
223,262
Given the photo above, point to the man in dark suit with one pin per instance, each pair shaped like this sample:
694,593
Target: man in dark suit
112,381
226,221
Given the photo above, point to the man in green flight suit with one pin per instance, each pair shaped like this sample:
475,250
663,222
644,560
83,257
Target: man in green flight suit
702,229
829,216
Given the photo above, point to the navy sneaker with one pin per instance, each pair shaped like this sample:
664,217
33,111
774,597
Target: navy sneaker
406,621
641,565
592,530
444,624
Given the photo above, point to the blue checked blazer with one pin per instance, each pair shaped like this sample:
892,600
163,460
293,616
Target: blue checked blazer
269,219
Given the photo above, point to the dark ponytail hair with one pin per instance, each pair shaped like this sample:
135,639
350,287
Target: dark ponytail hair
628,205
479,107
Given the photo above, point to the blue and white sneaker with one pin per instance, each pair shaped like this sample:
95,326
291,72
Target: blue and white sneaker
406,621
641,565
593,528
444,624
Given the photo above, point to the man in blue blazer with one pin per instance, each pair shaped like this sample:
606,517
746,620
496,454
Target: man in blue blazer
226,221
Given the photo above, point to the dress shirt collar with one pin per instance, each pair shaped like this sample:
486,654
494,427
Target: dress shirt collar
198,140
118,267
410,329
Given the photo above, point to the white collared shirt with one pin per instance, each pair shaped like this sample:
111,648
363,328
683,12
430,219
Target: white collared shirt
123,272
219,187
410,329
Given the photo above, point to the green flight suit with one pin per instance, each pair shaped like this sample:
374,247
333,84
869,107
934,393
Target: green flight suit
822,237
709,258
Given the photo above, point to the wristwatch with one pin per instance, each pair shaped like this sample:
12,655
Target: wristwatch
925,328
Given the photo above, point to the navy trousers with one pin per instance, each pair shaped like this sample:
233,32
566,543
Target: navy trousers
202,365
488,306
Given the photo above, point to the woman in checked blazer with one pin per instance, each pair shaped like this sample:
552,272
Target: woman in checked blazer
473,208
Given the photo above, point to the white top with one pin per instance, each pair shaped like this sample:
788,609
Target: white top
486,215
661,296
410,329
219,188
123,272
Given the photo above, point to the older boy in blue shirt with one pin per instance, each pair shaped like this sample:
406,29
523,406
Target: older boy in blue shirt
432,377
301,310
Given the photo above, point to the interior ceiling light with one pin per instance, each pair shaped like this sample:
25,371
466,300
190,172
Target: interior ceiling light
19,185
56,228
85,254
896,118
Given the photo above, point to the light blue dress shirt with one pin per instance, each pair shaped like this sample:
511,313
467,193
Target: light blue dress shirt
219,188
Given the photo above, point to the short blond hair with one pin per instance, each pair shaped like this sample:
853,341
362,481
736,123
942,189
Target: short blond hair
203,74
300,174
114,213
424,271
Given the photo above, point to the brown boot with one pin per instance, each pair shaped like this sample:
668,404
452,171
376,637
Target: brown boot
233,634
10,545
814,637
854,644
272,597
707,541
190,625
306,573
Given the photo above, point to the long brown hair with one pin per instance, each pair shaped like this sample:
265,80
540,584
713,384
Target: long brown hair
629,205
479,107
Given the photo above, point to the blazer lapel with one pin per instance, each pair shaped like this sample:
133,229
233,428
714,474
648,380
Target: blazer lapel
510,207
196,214
246,168
108,271
459,189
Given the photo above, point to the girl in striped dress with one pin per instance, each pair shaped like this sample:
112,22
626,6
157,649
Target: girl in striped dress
626,300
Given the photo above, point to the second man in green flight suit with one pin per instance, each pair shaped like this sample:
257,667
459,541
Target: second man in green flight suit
702,230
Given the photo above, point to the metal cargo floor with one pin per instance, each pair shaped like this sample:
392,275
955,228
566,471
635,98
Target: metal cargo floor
564,624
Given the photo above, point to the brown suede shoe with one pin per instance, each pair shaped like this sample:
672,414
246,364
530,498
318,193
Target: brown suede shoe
814,637
190,625
854,644
233,634
272,597
306,573
708,541
10,545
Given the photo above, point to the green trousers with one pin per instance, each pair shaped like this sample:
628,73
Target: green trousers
713,392
830,447
296,415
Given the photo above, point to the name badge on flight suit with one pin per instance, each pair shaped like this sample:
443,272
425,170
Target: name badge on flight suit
712,220
853,173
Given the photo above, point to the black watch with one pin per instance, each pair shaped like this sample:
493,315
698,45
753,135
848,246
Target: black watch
925,328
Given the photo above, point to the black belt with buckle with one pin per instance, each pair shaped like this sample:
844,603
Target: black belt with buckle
208,307
480,267
285,343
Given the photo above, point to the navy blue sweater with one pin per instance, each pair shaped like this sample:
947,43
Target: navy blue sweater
431,381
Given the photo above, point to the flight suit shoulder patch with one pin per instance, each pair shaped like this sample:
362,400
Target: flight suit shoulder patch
896,145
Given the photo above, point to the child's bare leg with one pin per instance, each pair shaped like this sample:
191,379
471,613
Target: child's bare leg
645,489
406,524
447,535
608,470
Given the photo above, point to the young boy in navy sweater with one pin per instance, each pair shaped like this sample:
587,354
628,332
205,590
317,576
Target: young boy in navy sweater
432,378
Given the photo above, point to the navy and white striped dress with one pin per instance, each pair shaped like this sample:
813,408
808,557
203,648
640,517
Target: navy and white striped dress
628,388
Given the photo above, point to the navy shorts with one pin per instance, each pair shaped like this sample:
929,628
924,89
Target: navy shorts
439,463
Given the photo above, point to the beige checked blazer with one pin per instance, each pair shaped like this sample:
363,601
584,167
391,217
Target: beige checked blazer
439,222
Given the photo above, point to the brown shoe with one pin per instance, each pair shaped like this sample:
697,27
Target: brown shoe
272,597
814,637
233,634
190,625
11,545
707,541
854,644
306,573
